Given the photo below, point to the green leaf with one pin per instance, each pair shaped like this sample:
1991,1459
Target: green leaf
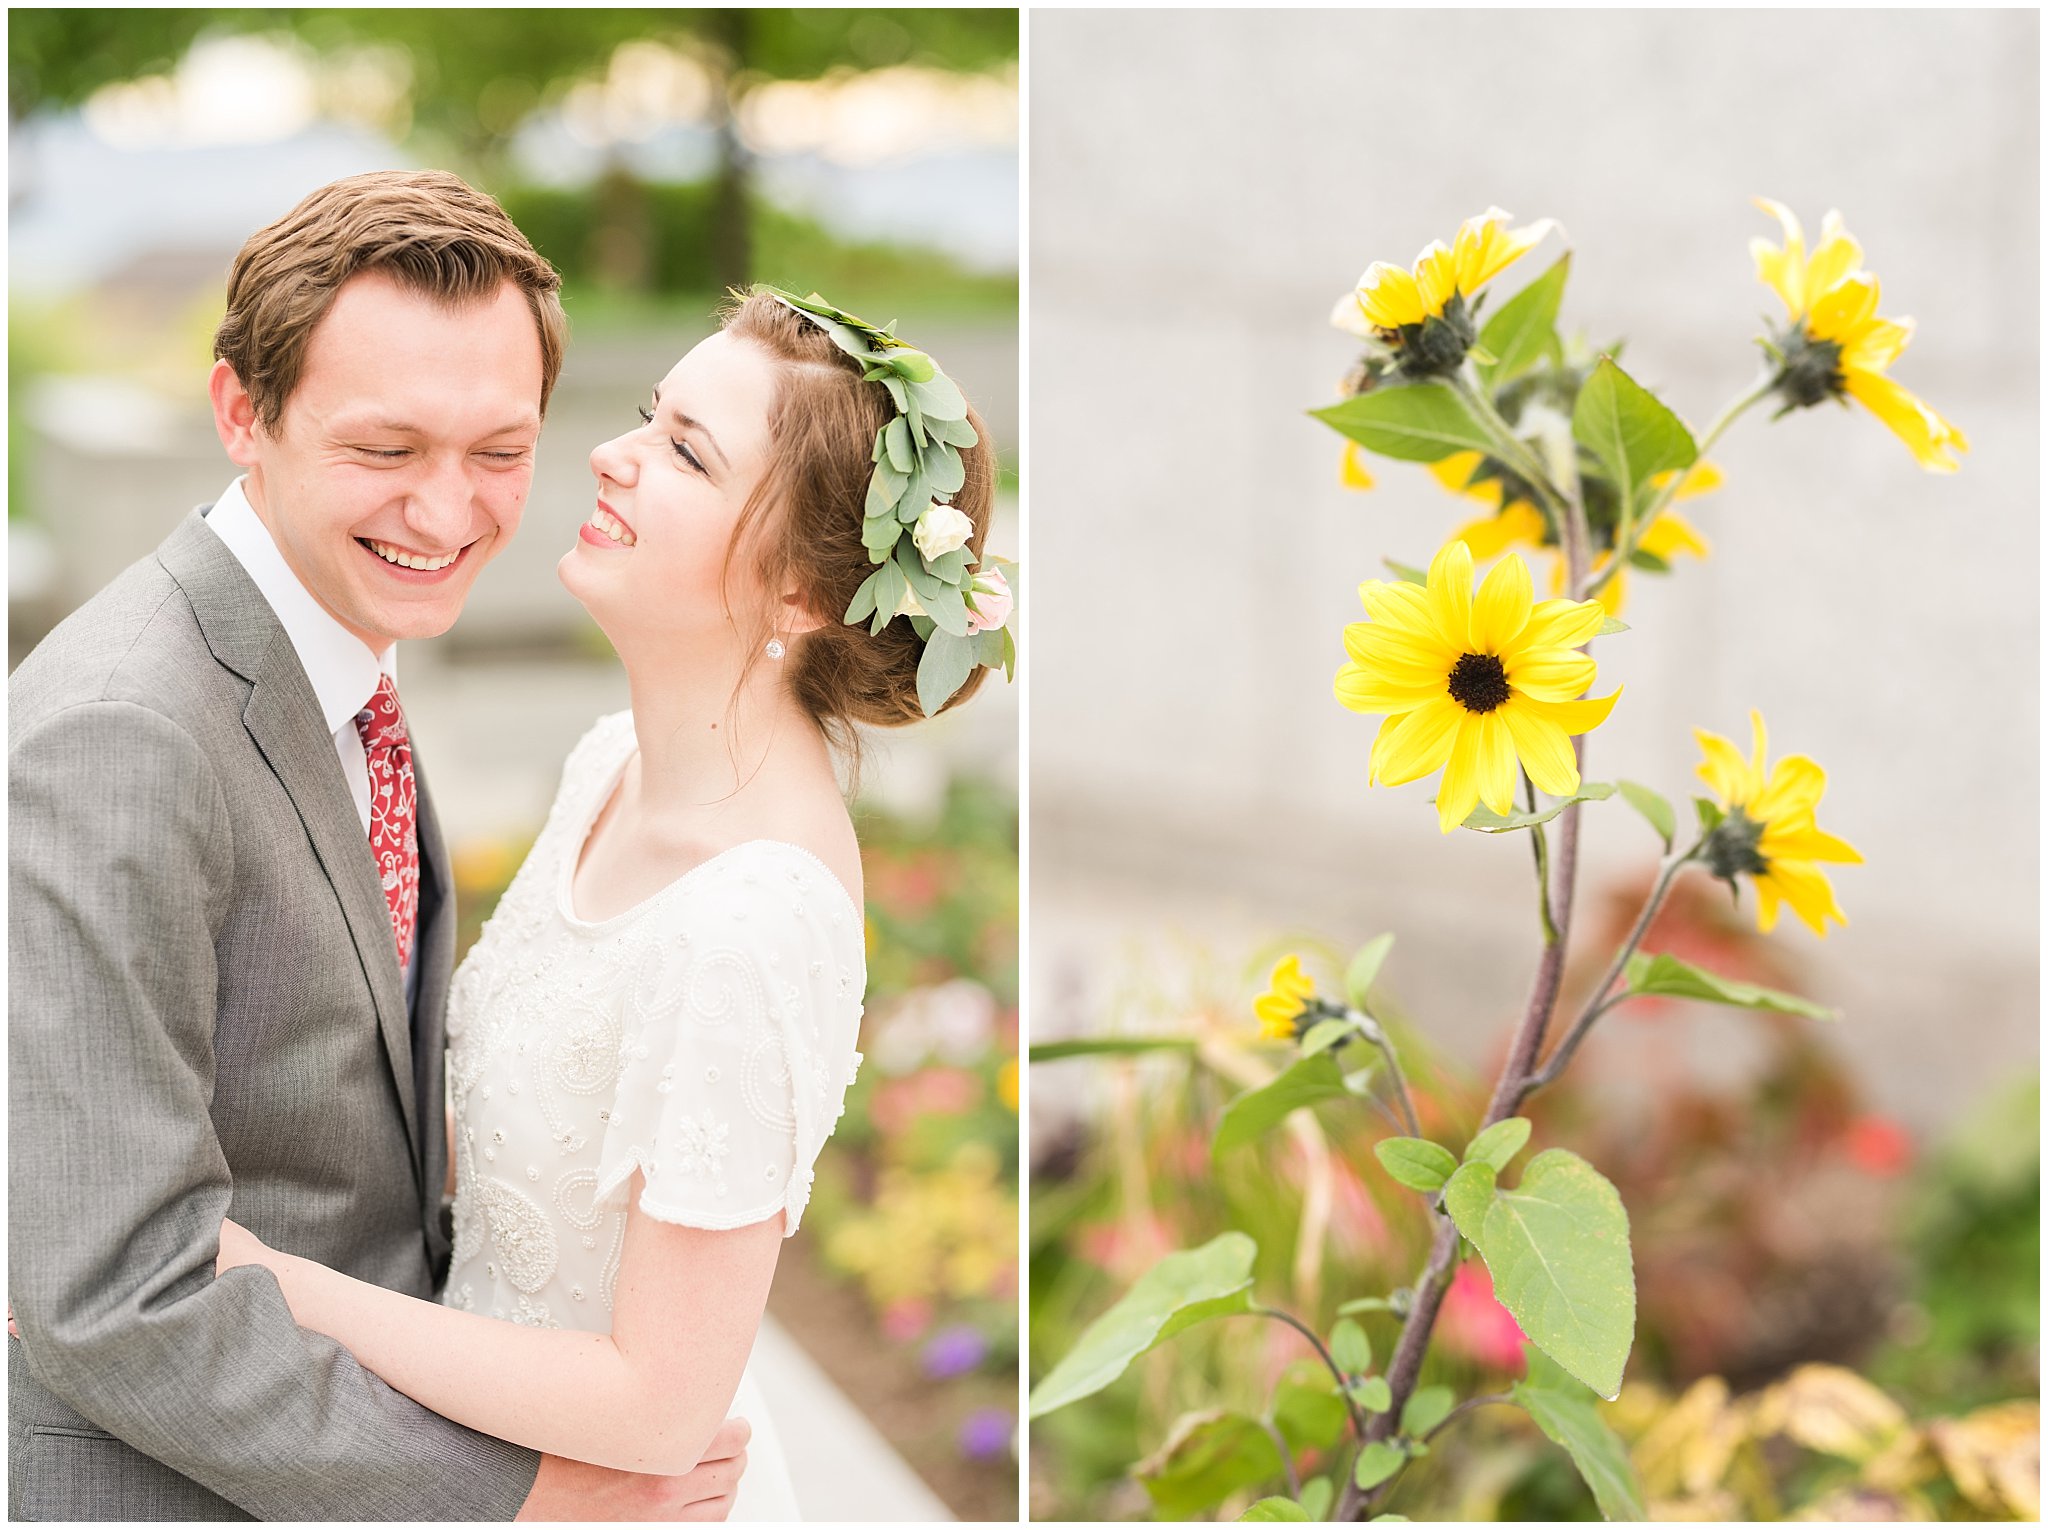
1325,1034
1660,974
1413,422
1308,1414
1629,432
947,661
1373,1394
1407,572
1652,807
1611,626
1557,1248
1377,1462
1468,1196
1566,1412
1316,1494
1365,966
1425,1409
1499,1143
1310,1081
1648,562
1109,1046
1525,329
1181,1290
1350,1348
1710,814
1416,1162
1207,1457
1487,821
1269,1511
896,442
863,603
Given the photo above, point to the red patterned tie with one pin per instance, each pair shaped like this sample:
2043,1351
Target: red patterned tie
394,833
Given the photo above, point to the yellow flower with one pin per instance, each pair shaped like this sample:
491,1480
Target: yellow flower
1473,685
1838,344
1006,1084
1389,298
1354,474
1769,833
1520,523
1288,996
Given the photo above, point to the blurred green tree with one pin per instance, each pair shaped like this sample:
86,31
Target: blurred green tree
472,77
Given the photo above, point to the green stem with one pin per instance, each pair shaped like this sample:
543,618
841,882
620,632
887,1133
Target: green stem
1370,1031
1631,529
1511,450
1343,1382
1598,1002
1542,848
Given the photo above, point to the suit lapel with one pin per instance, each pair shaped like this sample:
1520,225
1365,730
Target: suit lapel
433,956
284,719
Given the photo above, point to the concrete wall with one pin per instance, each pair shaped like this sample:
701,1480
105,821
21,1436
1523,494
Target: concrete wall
1191,222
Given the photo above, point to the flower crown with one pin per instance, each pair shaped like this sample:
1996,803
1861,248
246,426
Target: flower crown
916,539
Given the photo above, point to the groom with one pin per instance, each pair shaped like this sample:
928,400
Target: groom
230,910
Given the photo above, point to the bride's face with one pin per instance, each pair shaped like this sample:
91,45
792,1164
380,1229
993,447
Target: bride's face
651,556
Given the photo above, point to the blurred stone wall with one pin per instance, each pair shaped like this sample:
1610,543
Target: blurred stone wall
1191,223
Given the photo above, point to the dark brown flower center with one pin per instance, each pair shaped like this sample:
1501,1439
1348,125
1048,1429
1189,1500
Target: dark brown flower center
1478,683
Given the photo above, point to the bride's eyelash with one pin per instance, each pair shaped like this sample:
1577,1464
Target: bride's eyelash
682,447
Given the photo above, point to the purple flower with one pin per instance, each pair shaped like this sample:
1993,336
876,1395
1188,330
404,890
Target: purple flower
986,1433
954,1352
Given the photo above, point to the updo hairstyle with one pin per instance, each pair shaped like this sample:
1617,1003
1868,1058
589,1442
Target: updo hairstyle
803,523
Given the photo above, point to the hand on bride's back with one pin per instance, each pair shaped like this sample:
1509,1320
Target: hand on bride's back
576,1490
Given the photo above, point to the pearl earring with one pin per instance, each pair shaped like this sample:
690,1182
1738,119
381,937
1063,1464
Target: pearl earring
775,648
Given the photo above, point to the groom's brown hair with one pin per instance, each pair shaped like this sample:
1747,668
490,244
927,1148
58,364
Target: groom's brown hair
430,231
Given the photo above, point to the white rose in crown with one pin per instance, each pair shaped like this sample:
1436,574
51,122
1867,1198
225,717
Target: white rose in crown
908,605
940,530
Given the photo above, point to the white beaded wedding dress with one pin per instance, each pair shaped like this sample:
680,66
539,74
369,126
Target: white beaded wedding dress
705,1037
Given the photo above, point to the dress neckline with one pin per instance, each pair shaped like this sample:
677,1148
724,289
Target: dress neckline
565,880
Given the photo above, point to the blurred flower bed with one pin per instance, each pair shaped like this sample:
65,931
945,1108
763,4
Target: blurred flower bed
914,1212
1834,1322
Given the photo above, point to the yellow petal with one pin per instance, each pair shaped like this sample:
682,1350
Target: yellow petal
1702,477
1394,649
1843,308
1766,902
1349,316
1545,751
1388,297
1501,609
1354,474
1486,247
1455,473
1382,744
1875,345
1562,623
1782,270
1671,534
1422,745
1808,845
1795,786
1363,689
1806,888
1436,276
1551,674
1498,771
1458,793
1833,259
1450,594
1573,716
1724,770
1927,435
1399,604
1756,758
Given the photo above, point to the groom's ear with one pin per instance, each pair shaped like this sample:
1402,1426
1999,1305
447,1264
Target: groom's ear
234,415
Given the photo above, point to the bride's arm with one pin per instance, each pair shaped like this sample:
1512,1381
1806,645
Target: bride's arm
646,1397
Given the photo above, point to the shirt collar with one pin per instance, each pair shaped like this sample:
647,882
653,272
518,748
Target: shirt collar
343,671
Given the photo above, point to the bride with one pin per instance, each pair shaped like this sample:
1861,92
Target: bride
654,1036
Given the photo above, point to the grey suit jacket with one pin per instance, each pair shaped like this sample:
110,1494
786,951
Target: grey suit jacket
207,1017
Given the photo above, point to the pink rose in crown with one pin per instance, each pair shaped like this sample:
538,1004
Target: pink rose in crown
991,601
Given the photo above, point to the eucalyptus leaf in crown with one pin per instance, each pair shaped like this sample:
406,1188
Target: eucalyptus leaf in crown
924,569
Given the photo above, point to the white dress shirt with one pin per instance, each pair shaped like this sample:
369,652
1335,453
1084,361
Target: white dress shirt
343,671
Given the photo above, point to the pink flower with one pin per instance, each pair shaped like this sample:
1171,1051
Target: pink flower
991,601
904,1320
1477,1326
1878,1147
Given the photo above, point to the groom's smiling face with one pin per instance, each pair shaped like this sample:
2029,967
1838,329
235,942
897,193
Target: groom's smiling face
401,462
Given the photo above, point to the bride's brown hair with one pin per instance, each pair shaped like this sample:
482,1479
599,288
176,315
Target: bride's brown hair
802,524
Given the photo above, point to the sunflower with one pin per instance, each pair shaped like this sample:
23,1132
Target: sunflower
1473,685
1769,833
1836,344
1290,995
1517,521
1424,314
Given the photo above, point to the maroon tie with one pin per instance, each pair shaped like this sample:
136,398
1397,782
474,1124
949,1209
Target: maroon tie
394,835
